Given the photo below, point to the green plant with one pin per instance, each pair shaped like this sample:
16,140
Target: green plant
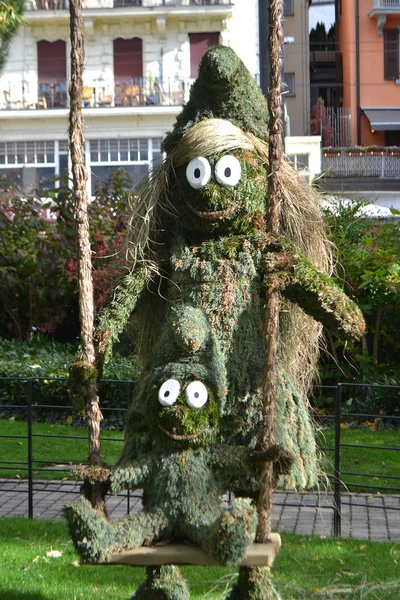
367,253
45,362
38,264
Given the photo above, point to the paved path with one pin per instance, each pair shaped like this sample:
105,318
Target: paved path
364,516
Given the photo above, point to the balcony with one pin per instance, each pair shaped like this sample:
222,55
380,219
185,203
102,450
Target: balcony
52,5
361,162
381,9
138,92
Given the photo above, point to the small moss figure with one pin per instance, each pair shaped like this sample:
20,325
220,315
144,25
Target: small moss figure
204,266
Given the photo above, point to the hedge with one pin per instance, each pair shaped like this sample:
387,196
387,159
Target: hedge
47,365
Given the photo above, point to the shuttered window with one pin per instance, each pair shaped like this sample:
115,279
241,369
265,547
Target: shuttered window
52,61
391,53
199,42
128,59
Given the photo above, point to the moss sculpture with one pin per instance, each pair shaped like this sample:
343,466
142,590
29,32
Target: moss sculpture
203,265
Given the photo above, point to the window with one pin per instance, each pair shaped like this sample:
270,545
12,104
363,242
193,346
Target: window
301,162
288,7
391,53
199,42
134,156
128,59
52,72
44,165
288,84
31,165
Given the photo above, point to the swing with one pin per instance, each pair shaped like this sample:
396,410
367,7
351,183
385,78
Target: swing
257,555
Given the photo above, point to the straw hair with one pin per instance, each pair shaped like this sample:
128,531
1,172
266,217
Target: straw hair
301,221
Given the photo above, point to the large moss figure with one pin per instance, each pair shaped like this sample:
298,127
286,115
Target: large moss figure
203,266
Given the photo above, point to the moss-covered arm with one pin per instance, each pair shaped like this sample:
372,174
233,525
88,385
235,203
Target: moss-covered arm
114,315
291,273
133,476
237,462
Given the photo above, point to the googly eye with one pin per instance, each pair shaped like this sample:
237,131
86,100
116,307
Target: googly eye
198,172
169,392
196,394
228,171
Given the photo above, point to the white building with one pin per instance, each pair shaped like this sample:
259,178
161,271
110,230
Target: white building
141,57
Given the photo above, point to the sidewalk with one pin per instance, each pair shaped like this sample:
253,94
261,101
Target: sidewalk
364,516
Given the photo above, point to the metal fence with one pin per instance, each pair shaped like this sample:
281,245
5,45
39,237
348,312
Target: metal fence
29,408
361,163
332,123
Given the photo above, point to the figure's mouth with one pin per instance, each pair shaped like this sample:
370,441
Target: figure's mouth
180,438
213,215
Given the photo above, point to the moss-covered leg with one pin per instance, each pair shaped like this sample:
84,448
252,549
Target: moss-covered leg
96,539
230,534
254,583
162,583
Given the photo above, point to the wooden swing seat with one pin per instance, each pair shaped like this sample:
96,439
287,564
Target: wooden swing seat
187,554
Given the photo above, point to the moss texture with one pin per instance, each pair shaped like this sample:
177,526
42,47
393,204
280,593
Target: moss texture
216,266
162,583
254,583
224,88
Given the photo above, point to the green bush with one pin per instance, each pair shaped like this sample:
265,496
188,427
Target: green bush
45,363
367,252
38,263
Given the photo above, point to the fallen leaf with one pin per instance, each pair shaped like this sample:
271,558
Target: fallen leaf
363,546
54,554
75,564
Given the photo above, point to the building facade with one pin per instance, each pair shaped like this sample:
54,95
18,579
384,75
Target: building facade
296,65
368,38
141,57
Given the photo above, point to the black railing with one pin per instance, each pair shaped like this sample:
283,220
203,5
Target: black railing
24,390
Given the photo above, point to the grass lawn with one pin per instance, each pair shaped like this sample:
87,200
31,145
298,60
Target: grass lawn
382,466
306,567
385,463
49,449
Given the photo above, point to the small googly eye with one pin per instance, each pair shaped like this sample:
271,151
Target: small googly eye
228,171
196,394
198,172
169,392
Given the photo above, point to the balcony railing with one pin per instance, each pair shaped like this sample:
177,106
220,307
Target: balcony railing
386,4
34,5
360,162
99,94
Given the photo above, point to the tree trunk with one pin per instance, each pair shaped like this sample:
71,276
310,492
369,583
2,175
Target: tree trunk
271,324
86,370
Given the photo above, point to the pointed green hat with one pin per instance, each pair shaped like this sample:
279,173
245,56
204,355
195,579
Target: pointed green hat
224,89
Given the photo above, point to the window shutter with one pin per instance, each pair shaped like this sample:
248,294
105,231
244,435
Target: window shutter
199,42
52,61
391,53
128,59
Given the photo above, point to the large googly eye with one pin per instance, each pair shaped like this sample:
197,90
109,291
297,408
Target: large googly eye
228,171
198,172
169,392
196,394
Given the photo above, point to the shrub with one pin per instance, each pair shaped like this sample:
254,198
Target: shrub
38,266
44,363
